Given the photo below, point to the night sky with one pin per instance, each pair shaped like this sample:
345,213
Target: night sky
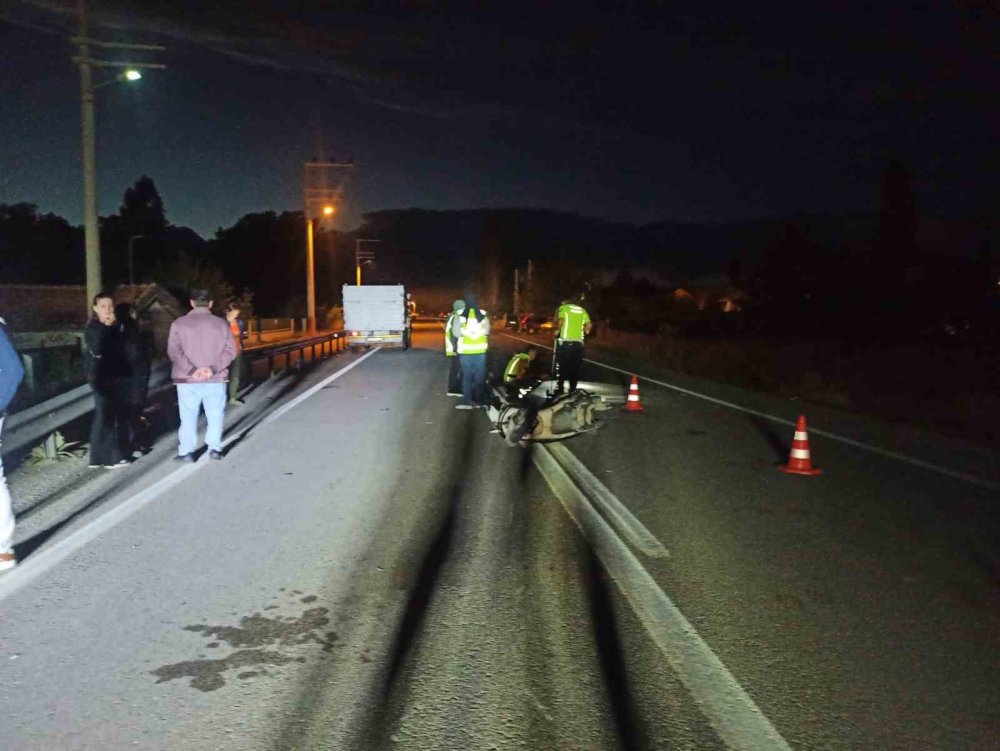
706,112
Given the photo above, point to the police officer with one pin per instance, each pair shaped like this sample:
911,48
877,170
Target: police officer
573,325
517,366
451,349
473,330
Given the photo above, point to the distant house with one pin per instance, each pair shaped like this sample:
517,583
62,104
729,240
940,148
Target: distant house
710,293
156,308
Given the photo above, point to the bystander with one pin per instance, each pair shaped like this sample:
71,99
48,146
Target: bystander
201,348
11,372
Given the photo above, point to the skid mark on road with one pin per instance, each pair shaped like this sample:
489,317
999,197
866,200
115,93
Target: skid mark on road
955,474
259,641
727,706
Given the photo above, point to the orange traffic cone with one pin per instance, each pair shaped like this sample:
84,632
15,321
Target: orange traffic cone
799,462
633,404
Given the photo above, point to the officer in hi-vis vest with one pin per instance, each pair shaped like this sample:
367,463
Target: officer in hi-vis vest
573,324
518,378
472,330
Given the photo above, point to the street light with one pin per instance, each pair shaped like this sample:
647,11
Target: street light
92,238
314,197
362,257
328,211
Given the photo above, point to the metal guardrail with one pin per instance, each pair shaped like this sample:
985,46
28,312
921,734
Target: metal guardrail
328,344
39,420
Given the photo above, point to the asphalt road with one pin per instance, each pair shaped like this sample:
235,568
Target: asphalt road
371,569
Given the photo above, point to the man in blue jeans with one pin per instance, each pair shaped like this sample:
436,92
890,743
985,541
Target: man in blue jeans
471,328
201,348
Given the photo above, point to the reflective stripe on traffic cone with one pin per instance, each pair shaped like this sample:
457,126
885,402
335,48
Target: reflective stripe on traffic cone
633,404
799,461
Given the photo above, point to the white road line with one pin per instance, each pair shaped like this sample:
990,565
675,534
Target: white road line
37,564
729,709
633,529
963,476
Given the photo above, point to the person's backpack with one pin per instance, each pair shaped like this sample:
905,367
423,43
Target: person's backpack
11,369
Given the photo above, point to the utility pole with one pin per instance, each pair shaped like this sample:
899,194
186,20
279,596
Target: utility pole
529,287
517,293
319,198
92,239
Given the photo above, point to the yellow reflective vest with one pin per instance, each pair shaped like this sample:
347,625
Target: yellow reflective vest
475,330
514,367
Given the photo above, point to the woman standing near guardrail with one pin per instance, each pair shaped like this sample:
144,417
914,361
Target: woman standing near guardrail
107,374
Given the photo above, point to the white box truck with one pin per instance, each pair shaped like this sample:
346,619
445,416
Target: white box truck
376,314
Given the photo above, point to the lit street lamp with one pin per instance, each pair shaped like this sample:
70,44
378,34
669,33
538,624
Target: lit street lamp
328,211
362,257
318,197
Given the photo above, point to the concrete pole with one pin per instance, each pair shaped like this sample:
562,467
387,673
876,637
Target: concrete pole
92,238
310,280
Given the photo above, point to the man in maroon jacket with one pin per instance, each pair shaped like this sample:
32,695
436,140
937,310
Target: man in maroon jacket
201,349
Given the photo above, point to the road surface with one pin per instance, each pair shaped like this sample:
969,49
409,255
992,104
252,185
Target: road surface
371,569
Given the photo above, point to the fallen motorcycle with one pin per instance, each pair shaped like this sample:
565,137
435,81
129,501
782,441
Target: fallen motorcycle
538,413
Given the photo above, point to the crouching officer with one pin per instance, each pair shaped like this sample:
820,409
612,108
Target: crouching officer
517,376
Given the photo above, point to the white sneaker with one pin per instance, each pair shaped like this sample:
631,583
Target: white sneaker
7,561
452,393
464,406
121,464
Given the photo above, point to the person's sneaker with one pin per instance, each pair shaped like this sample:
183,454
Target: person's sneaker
464,406
215,455
237,402
454,393
184,457
7,561
120,464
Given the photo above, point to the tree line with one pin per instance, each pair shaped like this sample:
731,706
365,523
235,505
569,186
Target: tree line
869,274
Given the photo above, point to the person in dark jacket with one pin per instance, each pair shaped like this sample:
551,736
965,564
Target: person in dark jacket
11,372
138,354
107,374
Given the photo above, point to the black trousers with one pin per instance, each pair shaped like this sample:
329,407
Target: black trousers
569,358
109,431
235,376
455,375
